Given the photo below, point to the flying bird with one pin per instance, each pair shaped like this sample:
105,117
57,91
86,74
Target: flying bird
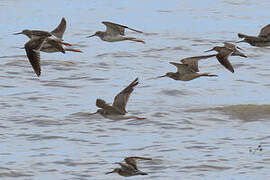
51,45
224,52
262,40
188,70
129,168
115,32
119,104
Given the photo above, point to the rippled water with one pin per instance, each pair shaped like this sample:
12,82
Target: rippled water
202,129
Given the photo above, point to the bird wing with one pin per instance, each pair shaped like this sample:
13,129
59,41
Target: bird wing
234,48
32,48
103,105
265,31
229,45
182,68
192,62
38,33
127,167
222,57
132,161
116,29
121,99
60,29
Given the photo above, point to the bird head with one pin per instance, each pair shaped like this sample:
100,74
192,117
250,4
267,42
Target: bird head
25,32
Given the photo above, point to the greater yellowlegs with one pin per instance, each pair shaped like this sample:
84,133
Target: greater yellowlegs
262,40
129,168
224,52
120,101
115,32
118,108
57,37
189,70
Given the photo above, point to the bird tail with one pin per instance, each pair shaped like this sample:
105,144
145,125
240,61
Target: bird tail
138,157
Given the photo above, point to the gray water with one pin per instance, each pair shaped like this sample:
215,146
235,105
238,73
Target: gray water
201,129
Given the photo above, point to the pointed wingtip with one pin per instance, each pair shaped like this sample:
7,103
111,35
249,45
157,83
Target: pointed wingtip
63,20
231,70
240,41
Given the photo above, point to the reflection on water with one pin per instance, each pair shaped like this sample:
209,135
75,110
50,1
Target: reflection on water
249,112
193,130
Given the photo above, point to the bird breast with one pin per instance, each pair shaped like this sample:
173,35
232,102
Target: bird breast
113,38
188,77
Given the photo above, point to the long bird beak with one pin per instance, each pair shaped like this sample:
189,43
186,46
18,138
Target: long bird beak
17,33
157,77
160,76
109,172
91,36
209,50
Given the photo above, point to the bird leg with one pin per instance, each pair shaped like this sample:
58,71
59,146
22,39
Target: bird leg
66,44
134,39
138,40
207,74
74,50
139,118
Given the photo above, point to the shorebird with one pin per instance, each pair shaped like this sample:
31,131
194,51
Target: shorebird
262,40
119,105
57,37
224,52
189,70
129,168
115,32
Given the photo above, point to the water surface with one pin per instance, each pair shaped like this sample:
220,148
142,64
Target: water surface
202,129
